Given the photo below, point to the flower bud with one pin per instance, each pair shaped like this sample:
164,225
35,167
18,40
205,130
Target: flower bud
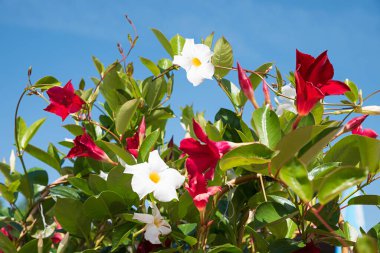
354,123
246,85
370,110
266,93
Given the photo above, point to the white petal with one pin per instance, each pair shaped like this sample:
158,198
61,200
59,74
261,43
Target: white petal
12,162
184,62
165,228
131,169
164,192
141,184
188,48
172,177
207,70
289,91
202,52
194,76
144,218
152,233
155,162
103,175
155,211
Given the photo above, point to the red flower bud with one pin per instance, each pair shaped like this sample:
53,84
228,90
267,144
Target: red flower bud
266,93
246,85
354,123
64,101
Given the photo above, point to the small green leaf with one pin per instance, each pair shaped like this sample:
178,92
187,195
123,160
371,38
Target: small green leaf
164,63
187,228
256,79
177,42
147,145
338,181
267,126
74,129
279,79
164,41
294,174
223,56
365,200
366,244
150,65
104,205
64,192
80,184
47,82
225,248
125,114
209,39
271,213
120,152
236,96
353,94
99,66
30,132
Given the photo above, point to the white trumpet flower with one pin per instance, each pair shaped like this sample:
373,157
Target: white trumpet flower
196,60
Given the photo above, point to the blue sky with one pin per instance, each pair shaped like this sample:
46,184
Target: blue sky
59,37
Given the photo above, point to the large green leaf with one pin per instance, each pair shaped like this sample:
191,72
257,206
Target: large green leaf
223,57
246,155
267,126
125,114
164,41
153,91
120,183
120,152
208,40
71,215
338,181
150,65
97,184
30,132
46,83
365,200
43,156
147,145
356,149
177,42
294,174
104,205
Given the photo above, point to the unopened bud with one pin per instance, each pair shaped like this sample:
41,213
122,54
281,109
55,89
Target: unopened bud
63,243
119,47
246,85
370,110
266,93
354,123
30,71
40,245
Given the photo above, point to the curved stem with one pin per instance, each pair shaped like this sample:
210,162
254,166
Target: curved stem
370,95
106,129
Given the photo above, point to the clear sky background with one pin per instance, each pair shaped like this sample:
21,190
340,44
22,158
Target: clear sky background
58,38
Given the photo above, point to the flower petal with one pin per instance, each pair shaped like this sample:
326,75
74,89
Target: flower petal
164,192
152,234
144,218
182,61
321,70
165,228
188,48
131,169
172,177
303,60
194,76
333,87
141,184
155,162
207,70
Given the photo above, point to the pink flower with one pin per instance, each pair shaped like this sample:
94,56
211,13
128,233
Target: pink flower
84,146
134,142
313,81
246,85
199,191
203,154
64,101
355,126
365,132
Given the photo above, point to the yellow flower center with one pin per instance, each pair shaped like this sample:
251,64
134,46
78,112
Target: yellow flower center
196,62
157,222
154,177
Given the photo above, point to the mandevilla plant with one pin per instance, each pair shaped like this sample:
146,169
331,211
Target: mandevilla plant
273,184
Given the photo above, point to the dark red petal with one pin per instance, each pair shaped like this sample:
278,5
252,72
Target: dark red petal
355,123
199,132
333,87
369,133
76,104
307,95
77,151
69,87
58,110
303,62
245,83
320,71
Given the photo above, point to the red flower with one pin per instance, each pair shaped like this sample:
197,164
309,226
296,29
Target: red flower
57,237
355,126
313,81
199,191
309,248
133,143
365,132
204,156
246,85
84,146
6,230
63,101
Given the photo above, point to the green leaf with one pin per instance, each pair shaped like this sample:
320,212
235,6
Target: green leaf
366,244
365,200
72,217
353,94
125,114
338,181
99,66
32,246
225,248
186,229
188,239
236,96
6,245
153,91
120,183
271,213
46,83
355,149
30,132
223,56
64,192
164,41
80,184
74,129
209,39
246,155
120,152
294,174
164,63
279,79
150,65
43,157
267,126
21,129
97,184
147,145
256,79
104,205
177,42
318,173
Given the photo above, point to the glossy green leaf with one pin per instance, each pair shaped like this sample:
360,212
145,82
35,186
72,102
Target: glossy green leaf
61,191
338,181
353,94
80,184
120,183
150,65
21,129
294,174
236,96
246,155
46,83
186,229
177,42
104,205
125,114
147,145
30,132
366,244
74,129
223,56
209,39
164,63
153,91
272,212
365,200
97,184
120,152
279,80
256,79
43,156
99,66
267,126
32,246
225,248
164,41
186,238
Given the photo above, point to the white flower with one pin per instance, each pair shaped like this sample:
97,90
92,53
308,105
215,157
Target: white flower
155,176
196,60
285,104
12,162
155,225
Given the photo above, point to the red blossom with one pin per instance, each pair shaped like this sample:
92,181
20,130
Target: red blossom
134,142
57,237
313,77
84,146
355,126
64,101
365,132
203,155
309,248
199,191
6,230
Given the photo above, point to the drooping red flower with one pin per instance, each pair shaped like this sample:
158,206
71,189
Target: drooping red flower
84,146
309,248
355,126
57,236
365,132
246,85
134,142
64,101
6,230
199,191
203,154
313,77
